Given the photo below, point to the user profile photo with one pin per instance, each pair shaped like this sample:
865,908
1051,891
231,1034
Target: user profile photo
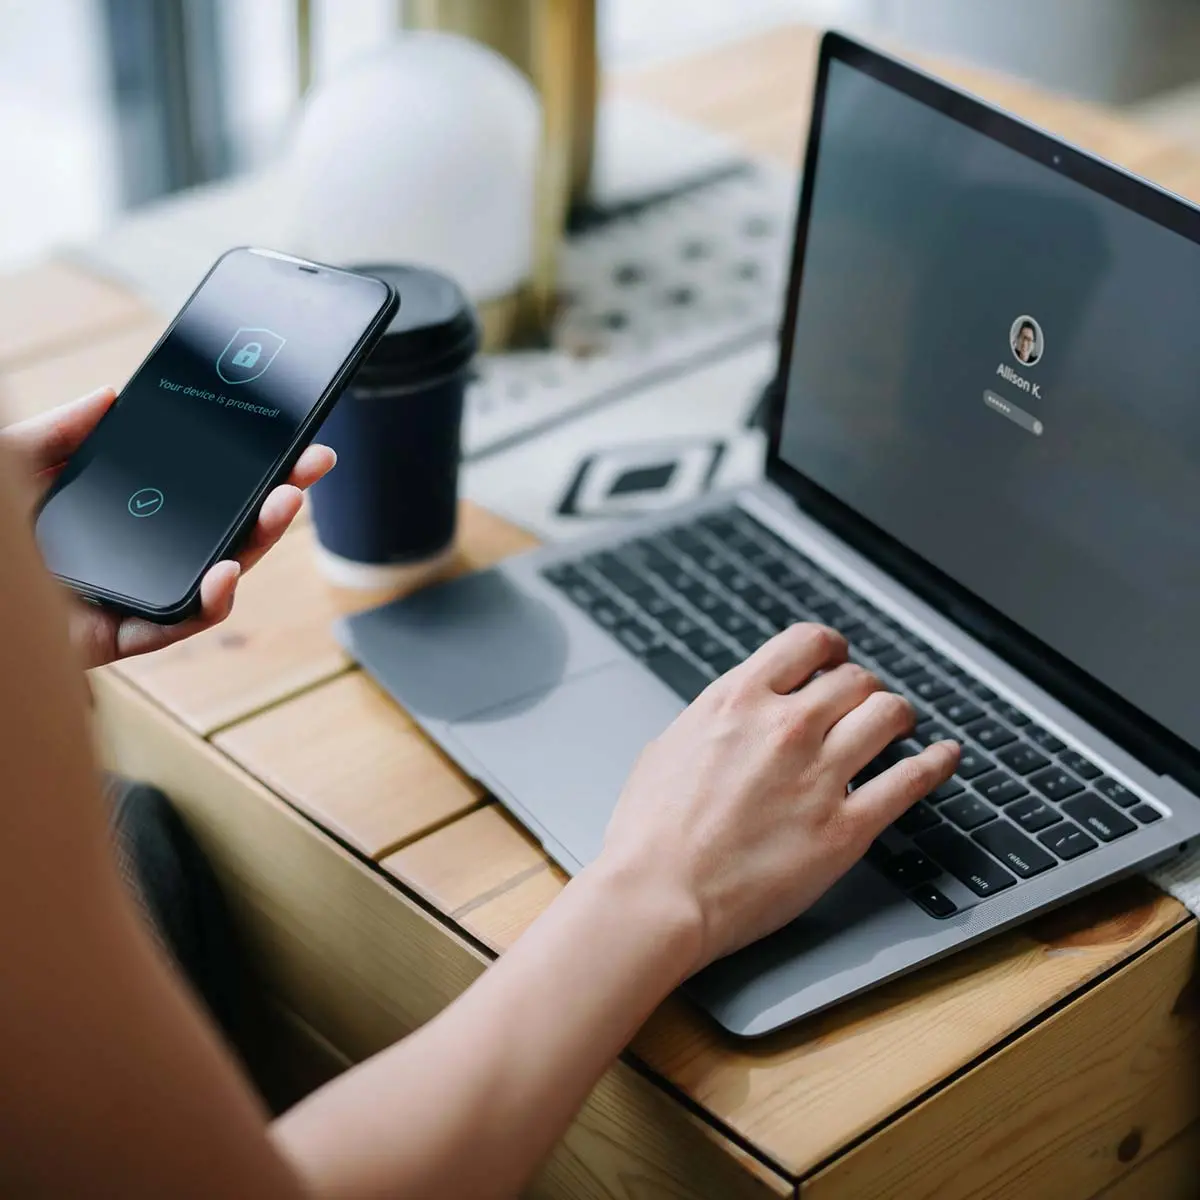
1025,338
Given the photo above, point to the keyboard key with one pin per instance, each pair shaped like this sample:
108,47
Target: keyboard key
559,574
933,901
931,731
719,524
846,624
618,574
752,639
1118,793
967,811
655,561
828,611
927,687
584,593
702,644
991,735
889,654
725,661
656,605
917,819
682,677
778,570
1000,788
1011,713
679,624
972,763
906,667
1032,814
1023,759
707,603
1083,767
730,620
778,616
1099,817
1056,784
1044,738
1017,852
687,543
637,638
888,757
957,708
1067,840
760,600
685,583
743,545
1146,813
981,691
965,861
607,615
872,643
946,791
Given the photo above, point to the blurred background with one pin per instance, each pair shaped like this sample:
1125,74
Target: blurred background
108,104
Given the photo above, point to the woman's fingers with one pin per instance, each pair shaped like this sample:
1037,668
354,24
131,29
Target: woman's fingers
863,732
834,694
283,503
217,589
315,463
277,513
794,656
48,440
881,800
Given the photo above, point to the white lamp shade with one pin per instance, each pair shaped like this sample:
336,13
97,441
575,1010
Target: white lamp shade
424,152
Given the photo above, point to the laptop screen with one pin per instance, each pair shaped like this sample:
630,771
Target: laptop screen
1000,368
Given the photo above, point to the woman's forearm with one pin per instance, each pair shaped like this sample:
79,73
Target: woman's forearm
470,1104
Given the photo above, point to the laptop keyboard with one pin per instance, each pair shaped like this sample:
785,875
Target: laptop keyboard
694,600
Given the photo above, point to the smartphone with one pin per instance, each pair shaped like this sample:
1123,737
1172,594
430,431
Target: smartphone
172,478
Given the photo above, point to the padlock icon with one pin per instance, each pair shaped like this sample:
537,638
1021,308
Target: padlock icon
248,355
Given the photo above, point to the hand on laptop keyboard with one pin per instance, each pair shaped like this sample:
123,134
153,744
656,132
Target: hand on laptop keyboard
741,809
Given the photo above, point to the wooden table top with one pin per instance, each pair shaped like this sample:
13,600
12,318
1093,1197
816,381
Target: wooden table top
272,690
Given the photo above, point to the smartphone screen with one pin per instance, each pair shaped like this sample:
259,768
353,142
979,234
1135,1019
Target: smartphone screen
221,406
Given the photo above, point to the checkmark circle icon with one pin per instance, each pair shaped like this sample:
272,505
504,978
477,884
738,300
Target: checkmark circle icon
145,502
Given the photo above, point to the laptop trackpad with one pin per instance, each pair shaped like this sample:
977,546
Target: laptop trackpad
564,759
472,644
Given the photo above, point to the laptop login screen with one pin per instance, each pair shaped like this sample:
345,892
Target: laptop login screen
1000,368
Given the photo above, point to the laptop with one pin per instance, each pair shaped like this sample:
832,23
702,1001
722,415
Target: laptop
983,468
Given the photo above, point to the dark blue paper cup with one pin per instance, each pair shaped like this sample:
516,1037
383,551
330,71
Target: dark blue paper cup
389,507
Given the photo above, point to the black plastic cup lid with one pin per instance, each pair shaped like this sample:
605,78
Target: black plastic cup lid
434,332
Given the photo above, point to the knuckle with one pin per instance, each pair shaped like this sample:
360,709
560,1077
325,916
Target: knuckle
790,726
863,679
847,831
821,636
913,774
900,709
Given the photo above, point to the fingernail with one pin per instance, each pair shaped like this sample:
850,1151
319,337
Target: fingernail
237,568
951,743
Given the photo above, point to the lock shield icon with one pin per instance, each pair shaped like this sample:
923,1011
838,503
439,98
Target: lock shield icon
248,355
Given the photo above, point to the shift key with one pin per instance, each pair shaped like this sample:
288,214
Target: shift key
965,861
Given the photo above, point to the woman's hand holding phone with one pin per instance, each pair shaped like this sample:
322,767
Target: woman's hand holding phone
43,444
